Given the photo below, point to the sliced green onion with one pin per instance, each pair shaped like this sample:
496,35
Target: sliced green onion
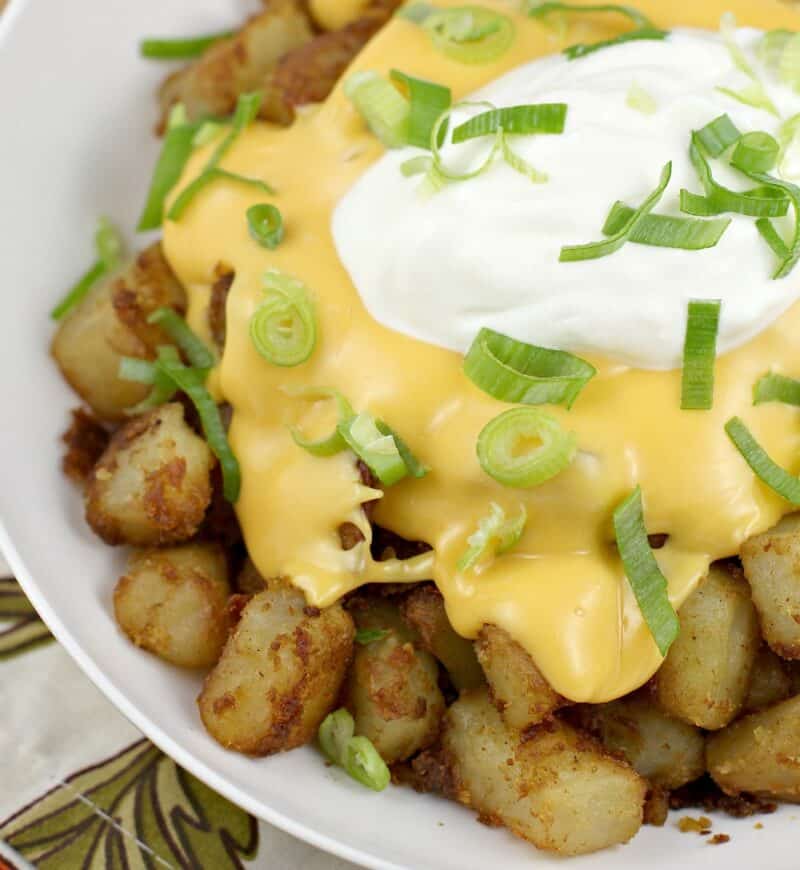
771,46
334,733
366,636
365,765
780,50
542,10
140,371
109,250
175,152
793,192
414,467
531,118
333,443
469,34
754,94
180,49
776,388
583,49
265,223
647,582
284,328
663,231
384,109
765,468
416,165
415,12
595,250
144,372
699,355
377,450
206,133
438,160
178,116
178,330
519,164
787,138
756,152
513,371
640,100
718,135
247,108
192,382
765,201
505,454
427,102
207,177
771,236
495,535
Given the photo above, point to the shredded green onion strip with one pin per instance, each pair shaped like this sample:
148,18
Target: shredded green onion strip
756,152
109,251
145,372
427,102
754,94
504,451
765,468
333,443
265,225
283,328
647,582
640,100
356,755
516,372
378,450
771,236
646,33
384,109
530,118
718,135
183,48
776,388
779,50
789,261
595,250
178,330
699,355
494,536
663,231
366,636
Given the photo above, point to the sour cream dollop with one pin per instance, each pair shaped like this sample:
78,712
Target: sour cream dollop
485,252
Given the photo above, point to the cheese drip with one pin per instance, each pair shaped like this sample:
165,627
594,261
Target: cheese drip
561,592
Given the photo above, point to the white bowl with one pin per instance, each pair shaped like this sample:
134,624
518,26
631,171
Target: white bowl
77,110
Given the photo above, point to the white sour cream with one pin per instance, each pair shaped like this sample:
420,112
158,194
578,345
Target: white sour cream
485,252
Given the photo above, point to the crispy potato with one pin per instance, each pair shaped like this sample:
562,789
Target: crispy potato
423,610
172,602
110,323
770,681
230,67
152,484
392,689
279,674
249,581
516,686
85,440
706,674
771,564
667,752
759,753
556,787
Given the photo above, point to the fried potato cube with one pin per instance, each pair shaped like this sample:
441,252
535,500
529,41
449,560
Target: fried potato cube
770,681
706,674
556,788
516,686
759,753
172,602
423,609
211,86
111,322
279,674
667,752
392,689
152,484
771,563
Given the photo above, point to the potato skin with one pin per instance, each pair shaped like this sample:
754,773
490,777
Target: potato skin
516,686
770,681
771,563
279,674
706,674
556,788
423,609
668,753
172,602
152,484
759,753
110,323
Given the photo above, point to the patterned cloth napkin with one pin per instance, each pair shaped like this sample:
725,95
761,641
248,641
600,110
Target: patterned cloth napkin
80,787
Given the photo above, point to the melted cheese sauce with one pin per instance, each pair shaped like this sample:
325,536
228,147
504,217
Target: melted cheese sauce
561,592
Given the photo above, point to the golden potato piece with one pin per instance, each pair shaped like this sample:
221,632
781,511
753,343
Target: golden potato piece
392,689
759,753
667,752
109,323
516,686
230,67
172,602
152,484
771,563
706,674
279,674
423,610
770,681
556,788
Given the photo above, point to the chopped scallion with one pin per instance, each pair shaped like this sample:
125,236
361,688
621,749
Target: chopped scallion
663,231
283,328
699,355
583,49
356,755
771,236
427,102
366,636
494,536
542,10
531,118
756,152
182,48
207,177
378,450
333,443
178,330
718,135
754,93
265,224
640,100
788,262
776,388
765,468
384,109
247,109
468,34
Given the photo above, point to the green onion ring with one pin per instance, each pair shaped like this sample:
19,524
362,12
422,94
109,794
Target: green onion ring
265,224
384,109
494,536
470,34
334,443
284,328
756,152
718,135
